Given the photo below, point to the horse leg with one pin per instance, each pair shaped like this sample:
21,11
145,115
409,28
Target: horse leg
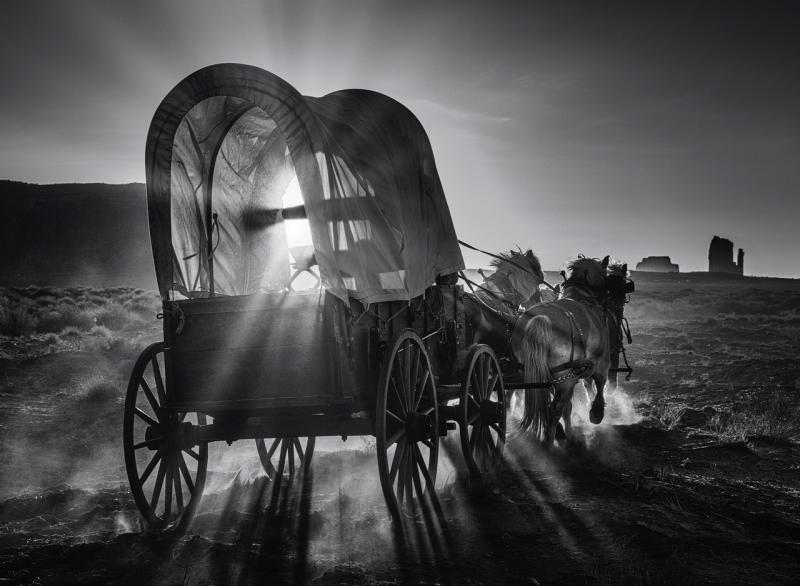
598,409
612,376
551,431
564,432
562,409
567,416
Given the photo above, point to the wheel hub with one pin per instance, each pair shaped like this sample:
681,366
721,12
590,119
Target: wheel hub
491,411
177,437
419,426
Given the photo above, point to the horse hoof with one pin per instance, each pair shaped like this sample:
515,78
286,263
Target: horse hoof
597,412
560,434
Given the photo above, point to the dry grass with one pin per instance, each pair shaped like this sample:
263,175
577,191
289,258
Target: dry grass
777,418
668,415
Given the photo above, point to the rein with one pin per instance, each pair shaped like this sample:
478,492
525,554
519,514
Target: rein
508,260
470,283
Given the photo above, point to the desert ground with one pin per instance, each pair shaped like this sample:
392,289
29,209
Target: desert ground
693,477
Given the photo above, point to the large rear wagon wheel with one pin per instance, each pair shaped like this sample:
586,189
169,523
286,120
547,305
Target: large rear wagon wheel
166,473
482,422
407,427
285,455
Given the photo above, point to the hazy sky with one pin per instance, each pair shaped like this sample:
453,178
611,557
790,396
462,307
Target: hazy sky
632,129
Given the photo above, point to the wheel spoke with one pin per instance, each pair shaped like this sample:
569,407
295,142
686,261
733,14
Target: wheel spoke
473,418
145,417
416,478
479,380
148,392
496,427
473,382
168,490
427,442
424,469
485,437
290,455
299,449
409,475
401,482
162,396
474,438
493,384
408,384
178,489
282,461
395,417
193,454
472,398
395,436
422,387
413,378
150,467
157,487
187,477
398,452
273,447
484,375
400,400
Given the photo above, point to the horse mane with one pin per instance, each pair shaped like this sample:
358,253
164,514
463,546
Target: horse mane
513,260
589,270
617,268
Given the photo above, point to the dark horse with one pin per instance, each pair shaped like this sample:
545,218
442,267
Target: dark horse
555,344
618,287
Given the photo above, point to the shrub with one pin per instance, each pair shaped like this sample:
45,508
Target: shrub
70,333
776,419
668,415
16,320
113,316
101,392
65,316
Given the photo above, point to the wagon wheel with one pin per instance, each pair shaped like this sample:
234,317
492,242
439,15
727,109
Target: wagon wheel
166,473
290,454
406,426
482,419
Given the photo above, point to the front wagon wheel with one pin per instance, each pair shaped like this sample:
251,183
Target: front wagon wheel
407,427
165,471
482,419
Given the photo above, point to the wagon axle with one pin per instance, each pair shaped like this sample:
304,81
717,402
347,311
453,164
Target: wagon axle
179,437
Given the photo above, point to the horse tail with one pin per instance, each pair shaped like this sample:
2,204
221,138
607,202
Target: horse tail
537,340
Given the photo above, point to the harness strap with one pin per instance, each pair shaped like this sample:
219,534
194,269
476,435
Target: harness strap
470,283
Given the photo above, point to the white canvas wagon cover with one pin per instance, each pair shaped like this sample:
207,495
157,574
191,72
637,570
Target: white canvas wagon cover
228,144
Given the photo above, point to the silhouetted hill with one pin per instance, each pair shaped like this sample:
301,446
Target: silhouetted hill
91,234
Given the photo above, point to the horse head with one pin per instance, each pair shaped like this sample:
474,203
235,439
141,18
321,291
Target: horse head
517,277
618,285
588,274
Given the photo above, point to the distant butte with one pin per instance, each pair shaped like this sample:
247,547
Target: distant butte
720,257
657,264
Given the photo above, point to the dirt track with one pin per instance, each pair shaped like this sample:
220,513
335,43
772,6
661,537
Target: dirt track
664,492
